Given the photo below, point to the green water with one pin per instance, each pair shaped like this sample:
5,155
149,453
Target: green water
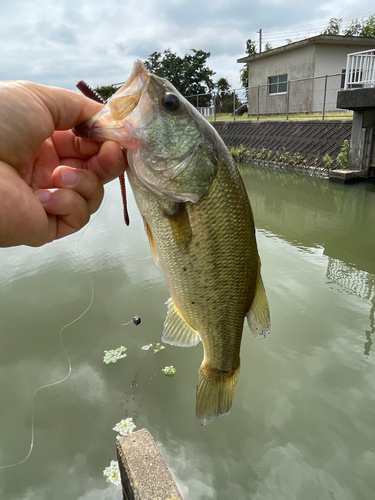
302,422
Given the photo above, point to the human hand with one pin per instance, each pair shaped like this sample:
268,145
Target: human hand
50,180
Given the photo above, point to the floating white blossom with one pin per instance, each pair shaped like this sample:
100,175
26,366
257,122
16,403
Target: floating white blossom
158,347
125,427
114,355
169,371
146,347
112,473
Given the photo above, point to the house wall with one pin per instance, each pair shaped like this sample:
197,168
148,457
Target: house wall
316,60
298,64
329,60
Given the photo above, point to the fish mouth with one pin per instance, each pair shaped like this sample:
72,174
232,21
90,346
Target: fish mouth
111,123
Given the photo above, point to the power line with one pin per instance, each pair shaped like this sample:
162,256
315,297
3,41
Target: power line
304,31
319,24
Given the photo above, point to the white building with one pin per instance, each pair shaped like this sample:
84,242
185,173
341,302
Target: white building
300,63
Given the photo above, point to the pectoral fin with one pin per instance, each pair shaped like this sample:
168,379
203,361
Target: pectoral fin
151,241
258,316
180,226
176,330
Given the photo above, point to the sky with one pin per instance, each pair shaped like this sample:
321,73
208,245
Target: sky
61,42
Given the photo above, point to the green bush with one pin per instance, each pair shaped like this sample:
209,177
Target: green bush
327,161
343,157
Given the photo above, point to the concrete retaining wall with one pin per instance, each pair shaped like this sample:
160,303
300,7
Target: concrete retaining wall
311,138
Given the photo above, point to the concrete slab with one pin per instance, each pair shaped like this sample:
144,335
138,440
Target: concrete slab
144,474
347,176
356,99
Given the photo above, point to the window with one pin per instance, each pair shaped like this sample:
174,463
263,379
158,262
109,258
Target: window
277,84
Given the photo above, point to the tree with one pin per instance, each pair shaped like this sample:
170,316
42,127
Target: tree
361,28
334,26
189,74
268,46
105,91
222,86
354,29
251,49
364,28
224,98
369,27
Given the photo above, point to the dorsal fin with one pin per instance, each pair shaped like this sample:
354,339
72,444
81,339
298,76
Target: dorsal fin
176,330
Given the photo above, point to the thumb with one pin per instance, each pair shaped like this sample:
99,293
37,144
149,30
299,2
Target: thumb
66,107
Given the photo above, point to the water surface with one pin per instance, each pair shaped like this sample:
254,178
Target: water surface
302,422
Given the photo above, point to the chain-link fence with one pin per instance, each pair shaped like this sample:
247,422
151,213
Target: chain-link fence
309,98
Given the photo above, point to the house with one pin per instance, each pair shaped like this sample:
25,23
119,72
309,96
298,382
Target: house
294,76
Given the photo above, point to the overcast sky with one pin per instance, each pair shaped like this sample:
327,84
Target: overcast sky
60,42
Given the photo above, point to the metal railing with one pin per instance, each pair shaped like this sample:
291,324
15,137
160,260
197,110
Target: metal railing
308,98
360,70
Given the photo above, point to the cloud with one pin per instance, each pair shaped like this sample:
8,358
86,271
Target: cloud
61,33
61,43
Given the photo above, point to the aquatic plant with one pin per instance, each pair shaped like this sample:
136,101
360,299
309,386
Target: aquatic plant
169,371
114,355
146,347
343,157
262,155
240,153
327,161
125,427
285,156
158,347
112,473
298,159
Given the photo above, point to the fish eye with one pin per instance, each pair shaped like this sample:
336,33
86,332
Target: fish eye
171,102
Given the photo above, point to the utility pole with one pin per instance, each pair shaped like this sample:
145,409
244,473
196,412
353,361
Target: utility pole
260,39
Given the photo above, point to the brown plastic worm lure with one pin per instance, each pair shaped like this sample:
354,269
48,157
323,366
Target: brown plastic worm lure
92,94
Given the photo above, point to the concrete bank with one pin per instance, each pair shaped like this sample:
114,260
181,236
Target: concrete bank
300,169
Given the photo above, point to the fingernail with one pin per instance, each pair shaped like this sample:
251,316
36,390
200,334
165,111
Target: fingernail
69,177
44,196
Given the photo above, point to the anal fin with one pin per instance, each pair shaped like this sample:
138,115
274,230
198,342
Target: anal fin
176,330
258,316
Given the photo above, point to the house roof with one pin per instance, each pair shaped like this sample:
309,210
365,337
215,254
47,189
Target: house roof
321,39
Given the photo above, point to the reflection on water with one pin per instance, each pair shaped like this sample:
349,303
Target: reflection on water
309,212
301,426
354,281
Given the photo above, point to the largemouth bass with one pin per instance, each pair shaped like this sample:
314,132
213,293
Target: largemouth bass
199,223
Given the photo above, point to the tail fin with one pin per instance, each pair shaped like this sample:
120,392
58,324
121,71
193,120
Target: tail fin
215,392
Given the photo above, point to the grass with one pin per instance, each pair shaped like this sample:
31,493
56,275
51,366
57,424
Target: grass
330,115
